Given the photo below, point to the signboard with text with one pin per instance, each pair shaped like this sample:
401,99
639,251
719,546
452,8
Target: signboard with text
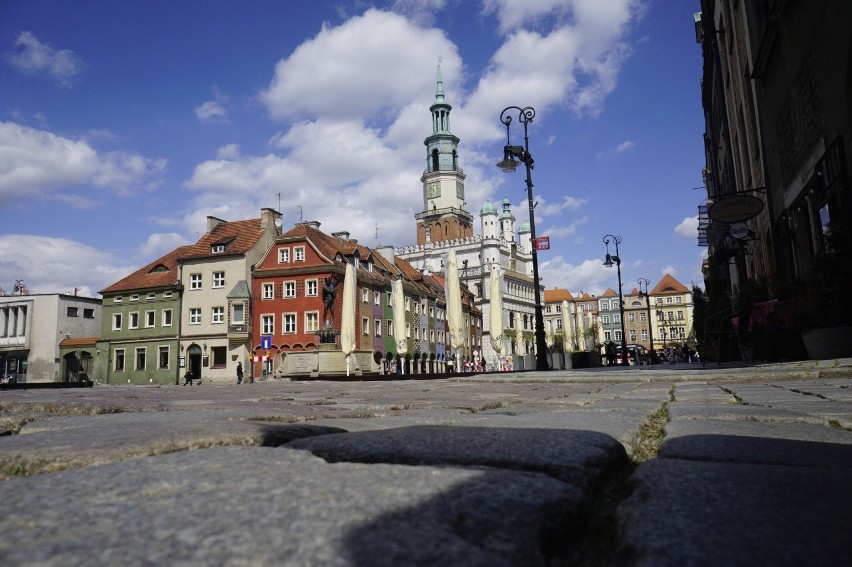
542,243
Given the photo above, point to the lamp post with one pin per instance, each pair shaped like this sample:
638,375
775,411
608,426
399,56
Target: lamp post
610,259
644,283
509,165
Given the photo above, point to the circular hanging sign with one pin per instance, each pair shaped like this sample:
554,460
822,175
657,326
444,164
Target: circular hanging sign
735,209
738,230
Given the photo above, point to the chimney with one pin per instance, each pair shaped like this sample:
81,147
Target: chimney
268,218
213,222
342,235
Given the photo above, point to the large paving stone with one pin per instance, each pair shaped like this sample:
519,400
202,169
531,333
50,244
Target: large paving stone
578,457
737,412
700,513
80,441
759,450
754,428
276,506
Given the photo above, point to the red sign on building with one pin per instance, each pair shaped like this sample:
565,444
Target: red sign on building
542,243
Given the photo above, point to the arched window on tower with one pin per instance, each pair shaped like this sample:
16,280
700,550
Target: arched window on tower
455,160
435,159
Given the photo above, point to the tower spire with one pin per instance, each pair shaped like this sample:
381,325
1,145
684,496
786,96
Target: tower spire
439,84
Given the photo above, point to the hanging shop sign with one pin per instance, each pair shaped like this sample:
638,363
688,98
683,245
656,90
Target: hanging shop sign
735,209
542,243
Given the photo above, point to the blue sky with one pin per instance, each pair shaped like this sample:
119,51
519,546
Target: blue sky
123,125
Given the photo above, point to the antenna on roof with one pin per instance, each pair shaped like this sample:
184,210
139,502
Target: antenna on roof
301,219
377,234
279,200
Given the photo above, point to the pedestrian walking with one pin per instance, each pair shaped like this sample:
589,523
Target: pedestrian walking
239,373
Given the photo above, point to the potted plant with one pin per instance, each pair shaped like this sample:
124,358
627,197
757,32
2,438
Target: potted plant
827,311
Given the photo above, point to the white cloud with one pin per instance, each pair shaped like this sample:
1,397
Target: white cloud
33,160
211,111
158,244
33,57
624,146
669,270
688,228
589,276
353,71
61,265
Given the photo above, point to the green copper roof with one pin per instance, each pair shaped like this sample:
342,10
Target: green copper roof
525,227
241,291
488,208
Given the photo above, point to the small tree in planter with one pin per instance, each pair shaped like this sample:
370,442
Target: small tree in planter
827,314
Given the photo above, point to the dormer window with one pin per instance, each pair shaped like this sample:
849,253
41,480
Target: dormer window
217,248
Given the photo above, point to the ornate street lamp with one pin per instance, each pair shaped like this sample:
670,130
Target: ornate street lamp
509,165
610,259
644,283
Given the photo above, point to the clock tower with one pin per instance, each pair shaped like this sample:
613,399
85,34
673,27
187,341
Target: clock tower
443,216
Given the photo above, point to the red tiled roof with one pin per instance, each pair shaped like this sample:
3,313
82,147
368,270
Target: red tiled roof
609,293
668,286
162,272
557,295
237,236
79,342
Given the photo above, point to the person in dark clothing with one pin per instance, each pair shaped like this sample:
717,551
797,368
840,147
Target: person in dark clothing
239,373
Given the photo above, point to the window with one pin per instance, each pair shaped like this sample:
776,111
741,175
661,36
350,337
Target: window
217,248
631,317
151,295
680,315
365,326
605,319
408,330
167,294
116,321
642,317
298,253
289,324
389,327
217,315
134,320
311,321
194,281
88,313
166,319
377,325
289,289
134,297
559,324
618,335
607,335
117,299
195,316
267,324
390,300
377,298
140,358
268,291
118,360
431,335
239,313
163,358
431,311
311,288
283,255
149,318
616,318
644,334
547,309
73,312
218,279
365,295
668,300
408,304
632,334
219,356
679,299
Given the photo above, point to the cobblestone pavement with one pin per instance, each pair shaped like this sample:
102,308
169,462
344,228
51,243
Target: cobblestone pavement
661,465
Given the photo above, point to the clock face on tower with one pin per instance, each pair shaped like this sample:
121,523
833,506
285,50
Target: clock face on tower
445,148
433,190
